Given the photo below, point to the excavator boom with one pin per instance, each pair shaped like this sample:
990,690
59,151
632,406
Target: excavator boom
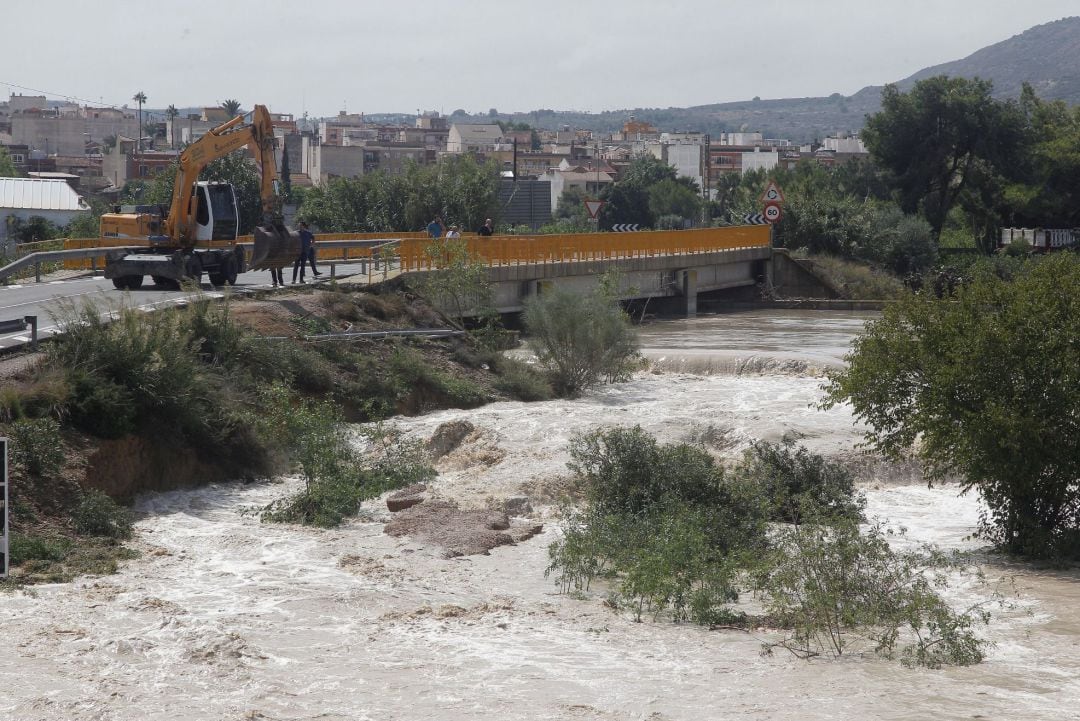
274,243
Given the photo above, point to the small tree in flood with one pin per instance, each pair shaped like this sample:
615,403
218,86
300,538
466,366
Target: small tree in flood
582,339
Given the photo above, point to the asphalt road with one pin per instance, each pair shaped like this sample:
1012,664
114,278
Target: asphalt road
41,299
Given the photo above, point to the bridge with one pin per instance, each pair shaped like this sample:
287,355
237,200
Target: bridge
673,267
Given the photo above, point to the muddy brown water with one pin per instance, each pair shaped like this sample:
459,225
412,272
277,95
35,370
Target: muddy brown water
224,617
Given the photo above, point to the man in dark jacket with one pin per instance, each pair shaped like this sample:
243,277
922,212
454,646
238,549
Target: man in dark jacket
307,253
486,229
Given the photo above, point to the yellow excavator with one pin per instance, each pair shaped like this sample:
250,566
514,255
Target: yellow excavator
197,233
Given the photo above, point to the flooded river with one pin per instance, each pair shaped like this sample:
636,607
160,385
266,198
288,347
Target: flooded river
223,617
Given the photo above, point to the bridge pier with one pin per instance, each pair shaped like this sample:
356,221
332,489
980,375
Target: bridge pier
688,289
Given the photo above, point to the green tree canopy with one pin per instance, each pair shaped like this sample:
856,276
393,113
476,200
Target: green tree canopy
946,138
460,189
988,383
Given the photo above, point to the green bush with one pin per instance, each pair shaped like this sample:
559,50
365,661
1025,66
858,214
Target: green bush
99,515
101,406
798,485
26,548
834,586
155,355
672,534
521,381
582,339
410,372
337,477
663,520
37,446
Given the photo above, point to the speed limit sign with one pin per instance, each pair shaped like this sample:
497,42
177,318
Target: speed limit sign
772,213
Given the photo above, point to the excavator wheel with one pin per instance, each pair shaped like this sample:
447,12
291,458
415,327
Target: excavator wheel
194,270
231,269
128,282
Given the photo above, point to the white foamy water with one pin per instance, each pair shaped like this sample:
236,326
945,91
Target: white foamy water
224,617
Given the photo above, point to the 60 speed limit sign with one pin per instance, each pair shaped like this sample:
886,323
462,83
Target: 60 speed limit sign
772,213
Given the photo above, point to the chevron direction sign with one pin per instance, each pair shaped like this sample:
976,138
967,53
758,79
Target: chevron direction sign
755,219
624,227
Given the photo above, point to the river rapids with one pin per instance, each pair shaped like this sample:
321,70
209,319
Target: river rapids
224,617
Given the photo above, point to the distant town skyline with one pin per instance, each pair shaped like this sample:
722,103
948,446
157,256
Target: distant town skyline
505,54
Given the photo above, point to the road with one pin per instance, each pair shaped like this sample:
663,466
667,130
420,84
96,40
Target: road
41,299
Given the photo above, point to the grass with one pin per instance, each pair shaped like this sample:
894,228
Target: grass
857,281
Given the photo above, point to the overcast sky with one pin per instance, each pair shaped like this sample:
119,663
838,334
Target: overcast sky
363,56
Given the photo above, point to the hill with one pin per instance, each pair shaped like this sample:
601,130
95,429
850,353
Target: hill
1047,56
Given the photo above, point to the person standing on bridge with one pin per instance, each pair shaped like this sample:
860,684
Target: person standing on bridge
486,229
307,253
435,228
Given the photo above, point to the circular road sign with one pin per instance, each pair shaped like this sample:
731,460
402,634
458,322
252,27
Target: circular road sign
772,213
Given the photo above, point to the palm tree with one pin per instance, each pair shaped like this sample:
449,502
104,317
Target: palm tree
171,113
232,107
140,98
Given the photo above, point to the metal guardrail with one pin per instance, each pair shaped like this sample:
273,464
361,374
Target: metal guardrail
19,324
51,256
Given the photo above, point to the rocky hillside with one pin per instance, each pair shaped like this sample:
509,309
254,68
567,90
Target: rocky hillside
1046,56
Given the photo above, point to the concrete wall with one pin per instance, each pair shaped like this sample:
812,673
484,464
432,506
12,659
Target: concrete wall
792,279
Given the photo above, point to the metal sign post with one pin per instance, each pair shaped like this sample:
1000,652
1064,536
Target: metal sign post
4,525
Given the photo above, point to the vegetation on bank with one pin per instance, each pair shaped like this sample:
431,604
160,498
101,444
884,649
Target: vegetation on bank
204,381
984,387
671,532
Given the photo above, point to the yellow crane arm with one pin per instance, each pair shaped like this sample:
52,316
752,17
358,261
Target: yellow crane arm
218,142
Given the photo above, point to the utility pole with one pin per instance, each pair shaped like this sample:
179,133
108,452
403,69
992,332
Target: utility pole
706,178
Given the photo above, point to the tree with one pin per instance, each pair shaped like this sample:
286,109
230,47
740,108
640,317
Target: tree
581,339
172,113
988,383
140,98
672,198
231,107
944,136
1048,195
7,165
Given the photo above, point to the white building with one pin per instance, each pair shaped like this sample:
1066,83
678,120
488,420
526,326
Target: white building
473,138
844,145
759,160
24,198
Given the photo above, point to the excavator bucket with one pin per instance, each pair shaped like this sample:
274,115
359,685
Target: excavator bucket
275,247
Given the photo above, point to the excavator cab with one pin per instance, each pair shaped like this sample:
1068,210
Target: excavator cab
216,214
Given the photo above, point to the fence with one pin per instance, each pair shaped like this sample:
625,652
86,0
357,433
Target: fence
1041,238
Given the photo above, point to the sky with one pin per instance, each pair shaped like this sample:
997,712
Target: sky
588,55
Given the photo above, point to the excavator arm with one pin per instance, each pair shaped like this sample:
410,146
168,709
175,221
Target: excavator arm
258,136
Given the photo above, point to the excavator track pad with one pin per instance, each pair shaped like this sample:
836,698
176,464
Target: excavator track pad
275,247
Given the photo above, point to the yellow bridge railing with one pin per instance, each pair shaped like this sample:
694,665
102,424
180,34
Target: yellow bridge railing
413,249
415,253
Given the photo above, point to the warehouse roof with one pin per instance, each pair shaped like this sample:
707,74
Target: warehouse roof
39,194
